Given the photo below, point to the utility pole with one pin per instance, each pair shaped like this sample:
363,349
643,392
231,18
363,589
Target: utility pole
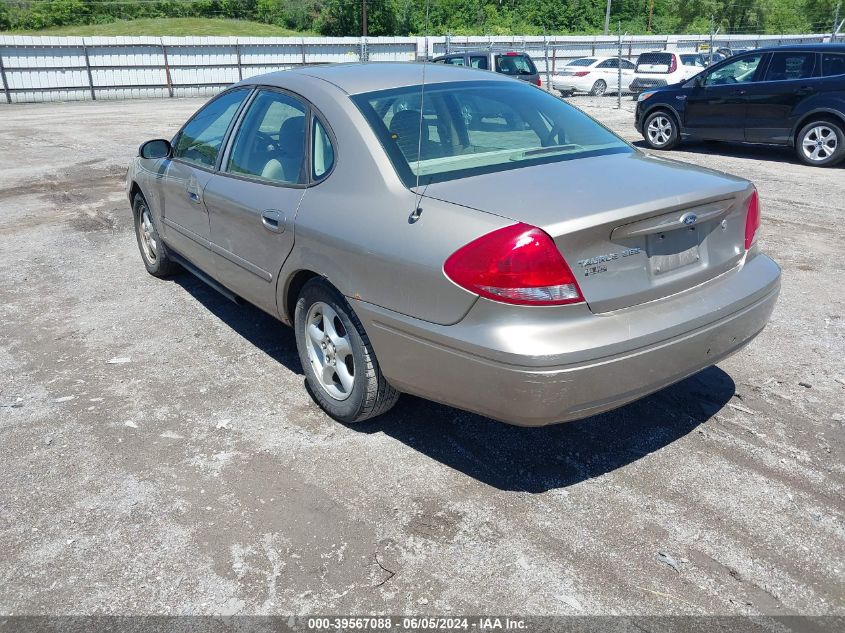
619,69
836,24
712,35
607,18
364,18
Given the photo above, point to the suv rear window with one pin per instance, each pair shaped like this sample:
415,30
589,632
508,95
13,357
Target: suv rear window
654,62
833,64
515,64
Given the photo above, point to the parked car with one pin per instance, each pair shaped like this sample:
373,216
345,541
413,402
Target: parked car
594,75
533,273
791,95
664,68
518,65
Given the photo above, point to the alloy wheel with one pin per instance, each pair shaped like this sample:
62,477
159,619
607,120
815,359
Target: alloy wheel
819,143
330,350
148,235
659,130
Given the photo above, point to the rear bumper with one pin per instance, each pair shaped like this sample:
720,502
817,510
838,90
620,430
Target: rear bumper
538,368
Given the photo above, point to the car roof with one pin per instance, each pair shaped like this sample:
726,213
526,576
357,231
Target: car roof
357,77
816,48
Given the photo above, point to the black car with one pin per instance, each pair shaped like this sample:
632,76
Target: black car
791,96
511,63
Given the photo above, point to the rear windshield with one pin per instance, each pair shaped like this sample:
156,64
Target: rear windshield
515,64
586,61
477,127
655,62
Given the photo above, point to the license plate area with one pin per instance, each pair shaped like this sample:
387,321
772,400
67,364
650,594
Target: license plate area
672,250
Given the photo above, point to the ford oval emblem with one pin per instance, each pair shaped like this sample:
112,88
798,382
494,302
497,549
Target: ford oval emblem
689,218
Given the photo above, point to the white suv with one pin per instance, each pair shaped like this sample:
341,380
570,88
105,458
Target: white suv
664,68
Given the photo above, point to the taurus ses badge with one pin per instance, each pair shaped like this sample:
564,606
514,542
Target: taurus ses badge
689,218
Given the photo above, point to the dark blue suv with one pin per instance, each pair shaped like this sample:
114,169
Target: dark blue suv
791,95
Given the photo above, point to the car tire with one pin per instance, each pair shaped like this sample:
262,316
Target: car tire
154,253
660,130
341,369
599,88
821,143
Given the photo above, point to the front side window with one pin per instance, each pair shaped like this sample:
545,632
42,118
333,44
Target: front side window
833,65
468,128
270,142
514,64
692,60
740,71
322,151
200,140
478,62
609,63
786,66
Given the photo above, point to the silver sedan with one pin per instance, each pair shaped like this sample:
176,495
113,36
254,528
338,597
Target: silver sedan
527,265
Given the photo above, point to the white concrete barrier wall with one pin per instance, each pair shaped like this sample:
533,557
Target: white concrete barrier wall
36,69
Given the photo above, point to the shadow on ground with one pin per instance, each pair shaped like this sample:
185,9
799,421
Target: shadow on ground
499,455
769,153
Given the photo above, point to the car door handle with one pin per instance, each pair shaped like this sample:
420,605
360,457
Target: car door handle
193,196
273,220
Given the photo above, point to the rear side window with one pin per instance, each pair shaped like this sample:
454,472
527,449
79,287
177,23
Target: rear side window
833,64
200,140
584,61
654,62
322,151
609,63
787,66
515,65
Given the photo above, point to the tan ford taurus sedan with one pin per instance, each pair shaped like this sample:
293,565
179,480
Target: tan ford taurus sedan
524,263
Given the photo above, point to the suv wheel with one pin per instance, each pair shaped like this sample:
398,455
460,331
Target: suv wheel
340,365
660,130
599,88
821,143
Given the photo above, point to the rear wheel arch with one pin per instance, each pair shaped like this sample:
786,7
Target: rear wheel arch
293,287
816,115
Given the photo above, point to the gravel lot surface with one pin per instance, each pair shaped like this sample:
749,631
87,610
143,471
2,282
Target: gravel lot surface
198,476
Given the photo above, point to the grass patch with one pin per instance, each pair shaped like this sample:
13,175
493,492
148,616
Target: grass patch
172,26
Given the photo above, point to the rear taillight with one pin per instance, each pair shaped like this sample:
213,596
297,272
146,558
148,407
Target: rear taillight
517,264
673,65
752,219
539,83
582,73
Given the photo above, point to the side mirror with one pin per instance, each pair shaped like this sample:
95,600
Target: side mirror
157,148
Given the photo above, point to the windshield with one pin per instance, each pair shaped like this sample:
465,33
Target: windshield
477,127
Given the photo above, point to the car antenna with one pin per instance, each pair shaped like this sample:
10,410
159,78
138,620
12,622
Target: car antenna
417,212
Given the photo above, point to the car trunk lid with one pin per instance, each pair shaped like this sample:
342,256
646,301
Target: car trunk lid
632,228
